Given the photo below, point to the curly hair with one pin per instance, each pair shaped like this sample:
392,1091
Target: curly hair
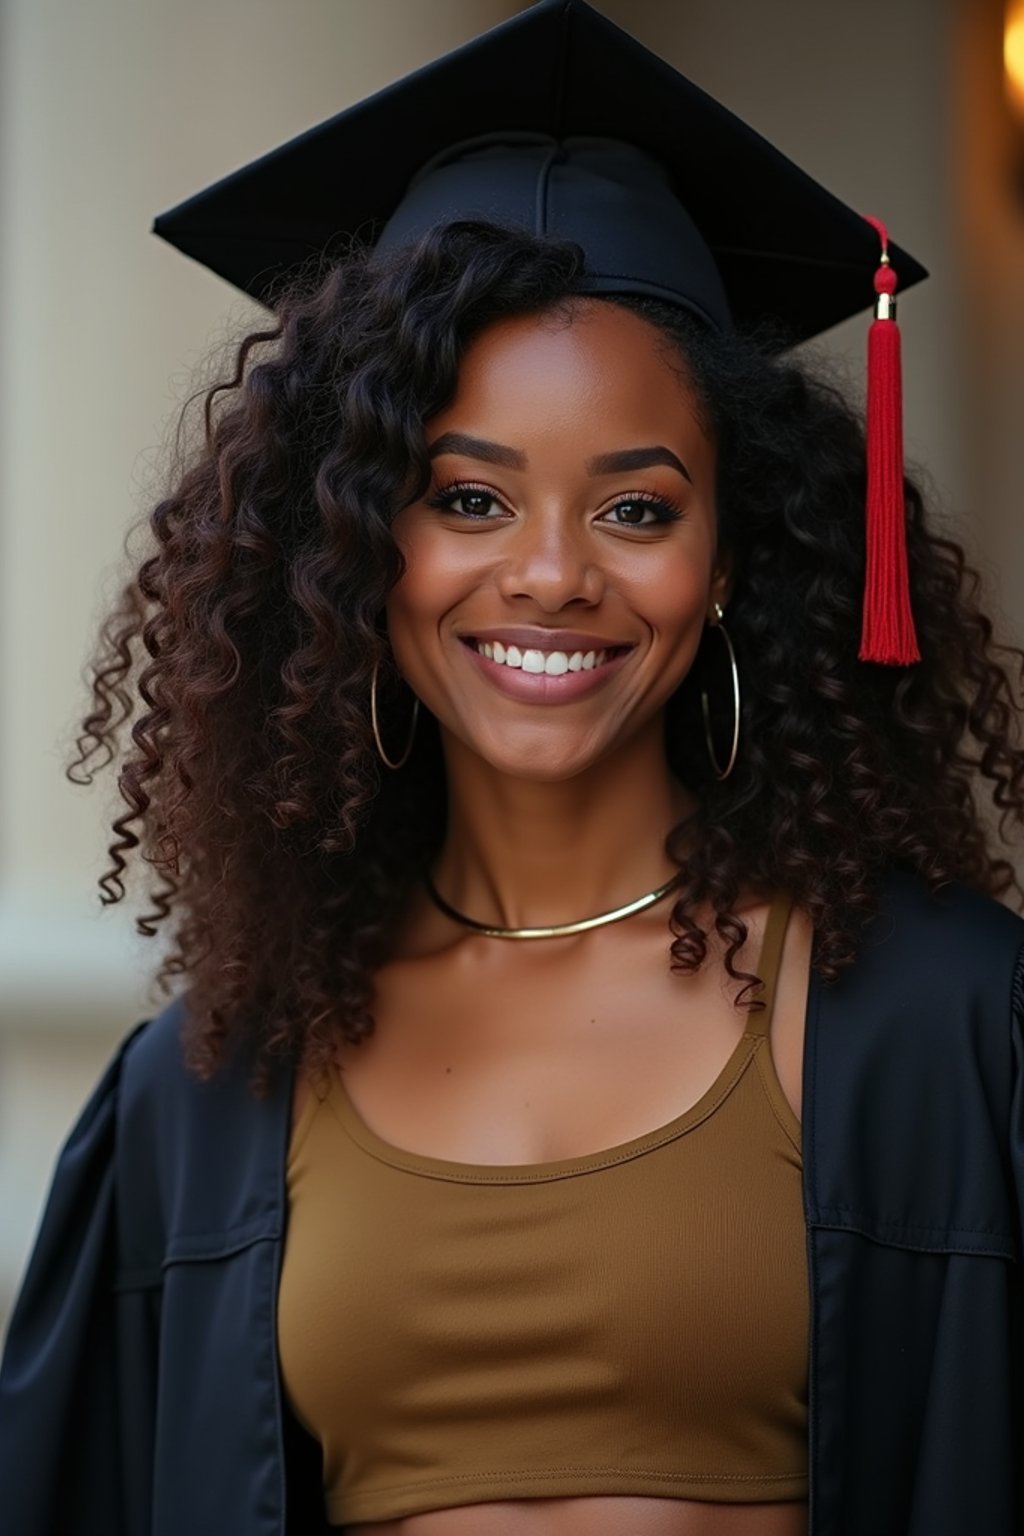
241,651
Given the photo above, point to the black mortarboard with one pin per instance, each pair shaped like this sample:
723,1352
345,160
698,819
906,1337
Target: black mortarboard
576,130
683,168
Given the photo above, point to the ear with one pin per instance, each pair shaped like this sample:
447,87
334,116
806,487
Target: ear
721,588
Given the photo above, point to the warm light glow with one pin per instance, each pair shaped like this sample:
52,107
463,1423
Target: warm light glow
1013,54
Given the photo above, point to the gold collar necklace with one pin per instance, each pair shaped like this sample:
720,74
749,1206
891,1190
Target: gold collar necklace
558,930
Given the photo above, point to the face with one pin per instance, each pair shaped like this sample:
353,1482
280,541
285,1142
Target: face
560,569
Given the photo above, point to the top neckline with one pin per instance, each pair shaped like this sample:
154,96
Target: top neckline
534,1173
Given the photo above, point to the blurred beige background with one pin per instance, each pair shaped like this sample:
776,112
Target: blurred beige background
114,111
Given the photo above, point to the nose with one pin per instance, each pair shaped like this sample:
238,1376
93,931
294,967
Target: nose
550,560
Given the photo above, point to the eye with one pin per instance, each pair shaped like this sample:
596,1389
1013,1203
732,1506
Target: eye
642,510
471,501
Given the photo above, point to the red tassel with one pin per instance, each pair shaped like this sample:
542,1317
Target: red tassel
888,624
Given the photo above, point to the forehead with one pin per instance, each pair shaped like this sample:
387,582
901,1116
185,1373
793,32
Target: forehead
587,369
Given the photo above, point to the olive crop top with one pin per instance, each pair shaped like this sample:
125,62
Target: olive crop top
634,1321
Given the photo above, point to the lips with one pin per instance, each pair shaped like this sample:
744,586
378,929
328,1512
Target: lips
543,676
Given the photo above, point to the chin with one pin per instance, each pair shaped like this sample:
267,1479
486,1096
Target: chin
541,762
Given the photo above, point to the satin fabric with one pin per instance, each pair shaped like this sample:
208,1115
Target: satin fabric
140,1392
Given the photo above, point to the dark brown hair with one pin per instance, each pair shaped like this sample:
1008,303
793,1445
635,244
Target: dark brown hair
241,653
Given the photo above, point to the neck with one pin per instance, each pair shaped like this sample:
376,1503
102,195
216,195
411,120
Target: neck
527,853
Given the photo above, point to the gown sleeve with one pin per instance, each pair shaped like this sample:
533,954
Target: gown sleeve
78,1365
1017,1099
1017,1166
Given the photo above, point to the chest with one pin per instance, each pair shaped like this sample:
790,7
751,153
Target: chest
535,1056
606,1304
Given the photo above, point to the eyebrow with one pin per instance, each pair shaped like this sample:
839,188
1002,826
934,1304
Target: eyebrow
477,448
636,458
622,460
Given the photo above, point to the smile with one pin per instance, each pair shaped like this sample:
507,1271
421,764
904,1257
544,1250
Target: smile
551,663
544,676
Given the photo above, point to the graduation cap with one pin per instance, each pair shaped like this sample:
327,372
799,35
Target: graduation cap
578,131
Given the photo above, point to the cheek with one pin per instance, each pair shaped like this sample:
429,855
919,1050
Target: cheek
674,603
430,586
411,614
674,597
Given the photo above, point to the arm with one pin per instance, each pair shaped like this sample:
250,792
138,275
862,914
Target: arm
1017,1162
74,1350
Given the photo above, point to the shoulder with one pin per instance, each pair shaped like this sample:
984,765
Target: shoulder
155,1072
154,1052
197,1159
945,943
910,1073
953,911
160,1096
925,1014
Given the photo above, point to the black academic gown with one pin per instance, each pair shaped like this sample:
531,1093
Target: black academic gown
140,1392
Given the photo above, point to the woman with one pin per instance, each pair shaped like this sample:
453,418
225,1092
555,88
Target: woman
596,1113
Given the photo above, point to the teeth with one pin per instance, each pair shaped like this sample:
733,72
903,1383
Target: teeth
552,663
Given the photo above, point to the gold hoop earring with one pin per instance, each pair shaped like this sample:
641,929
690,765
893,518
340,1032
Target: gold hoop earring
723,773
376,724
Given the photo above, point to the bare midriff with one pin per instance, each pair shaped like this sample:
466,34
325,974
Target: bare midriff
608,1515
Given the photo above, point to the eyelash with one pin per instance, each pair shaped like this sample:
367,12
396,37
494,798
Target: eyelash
444,500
